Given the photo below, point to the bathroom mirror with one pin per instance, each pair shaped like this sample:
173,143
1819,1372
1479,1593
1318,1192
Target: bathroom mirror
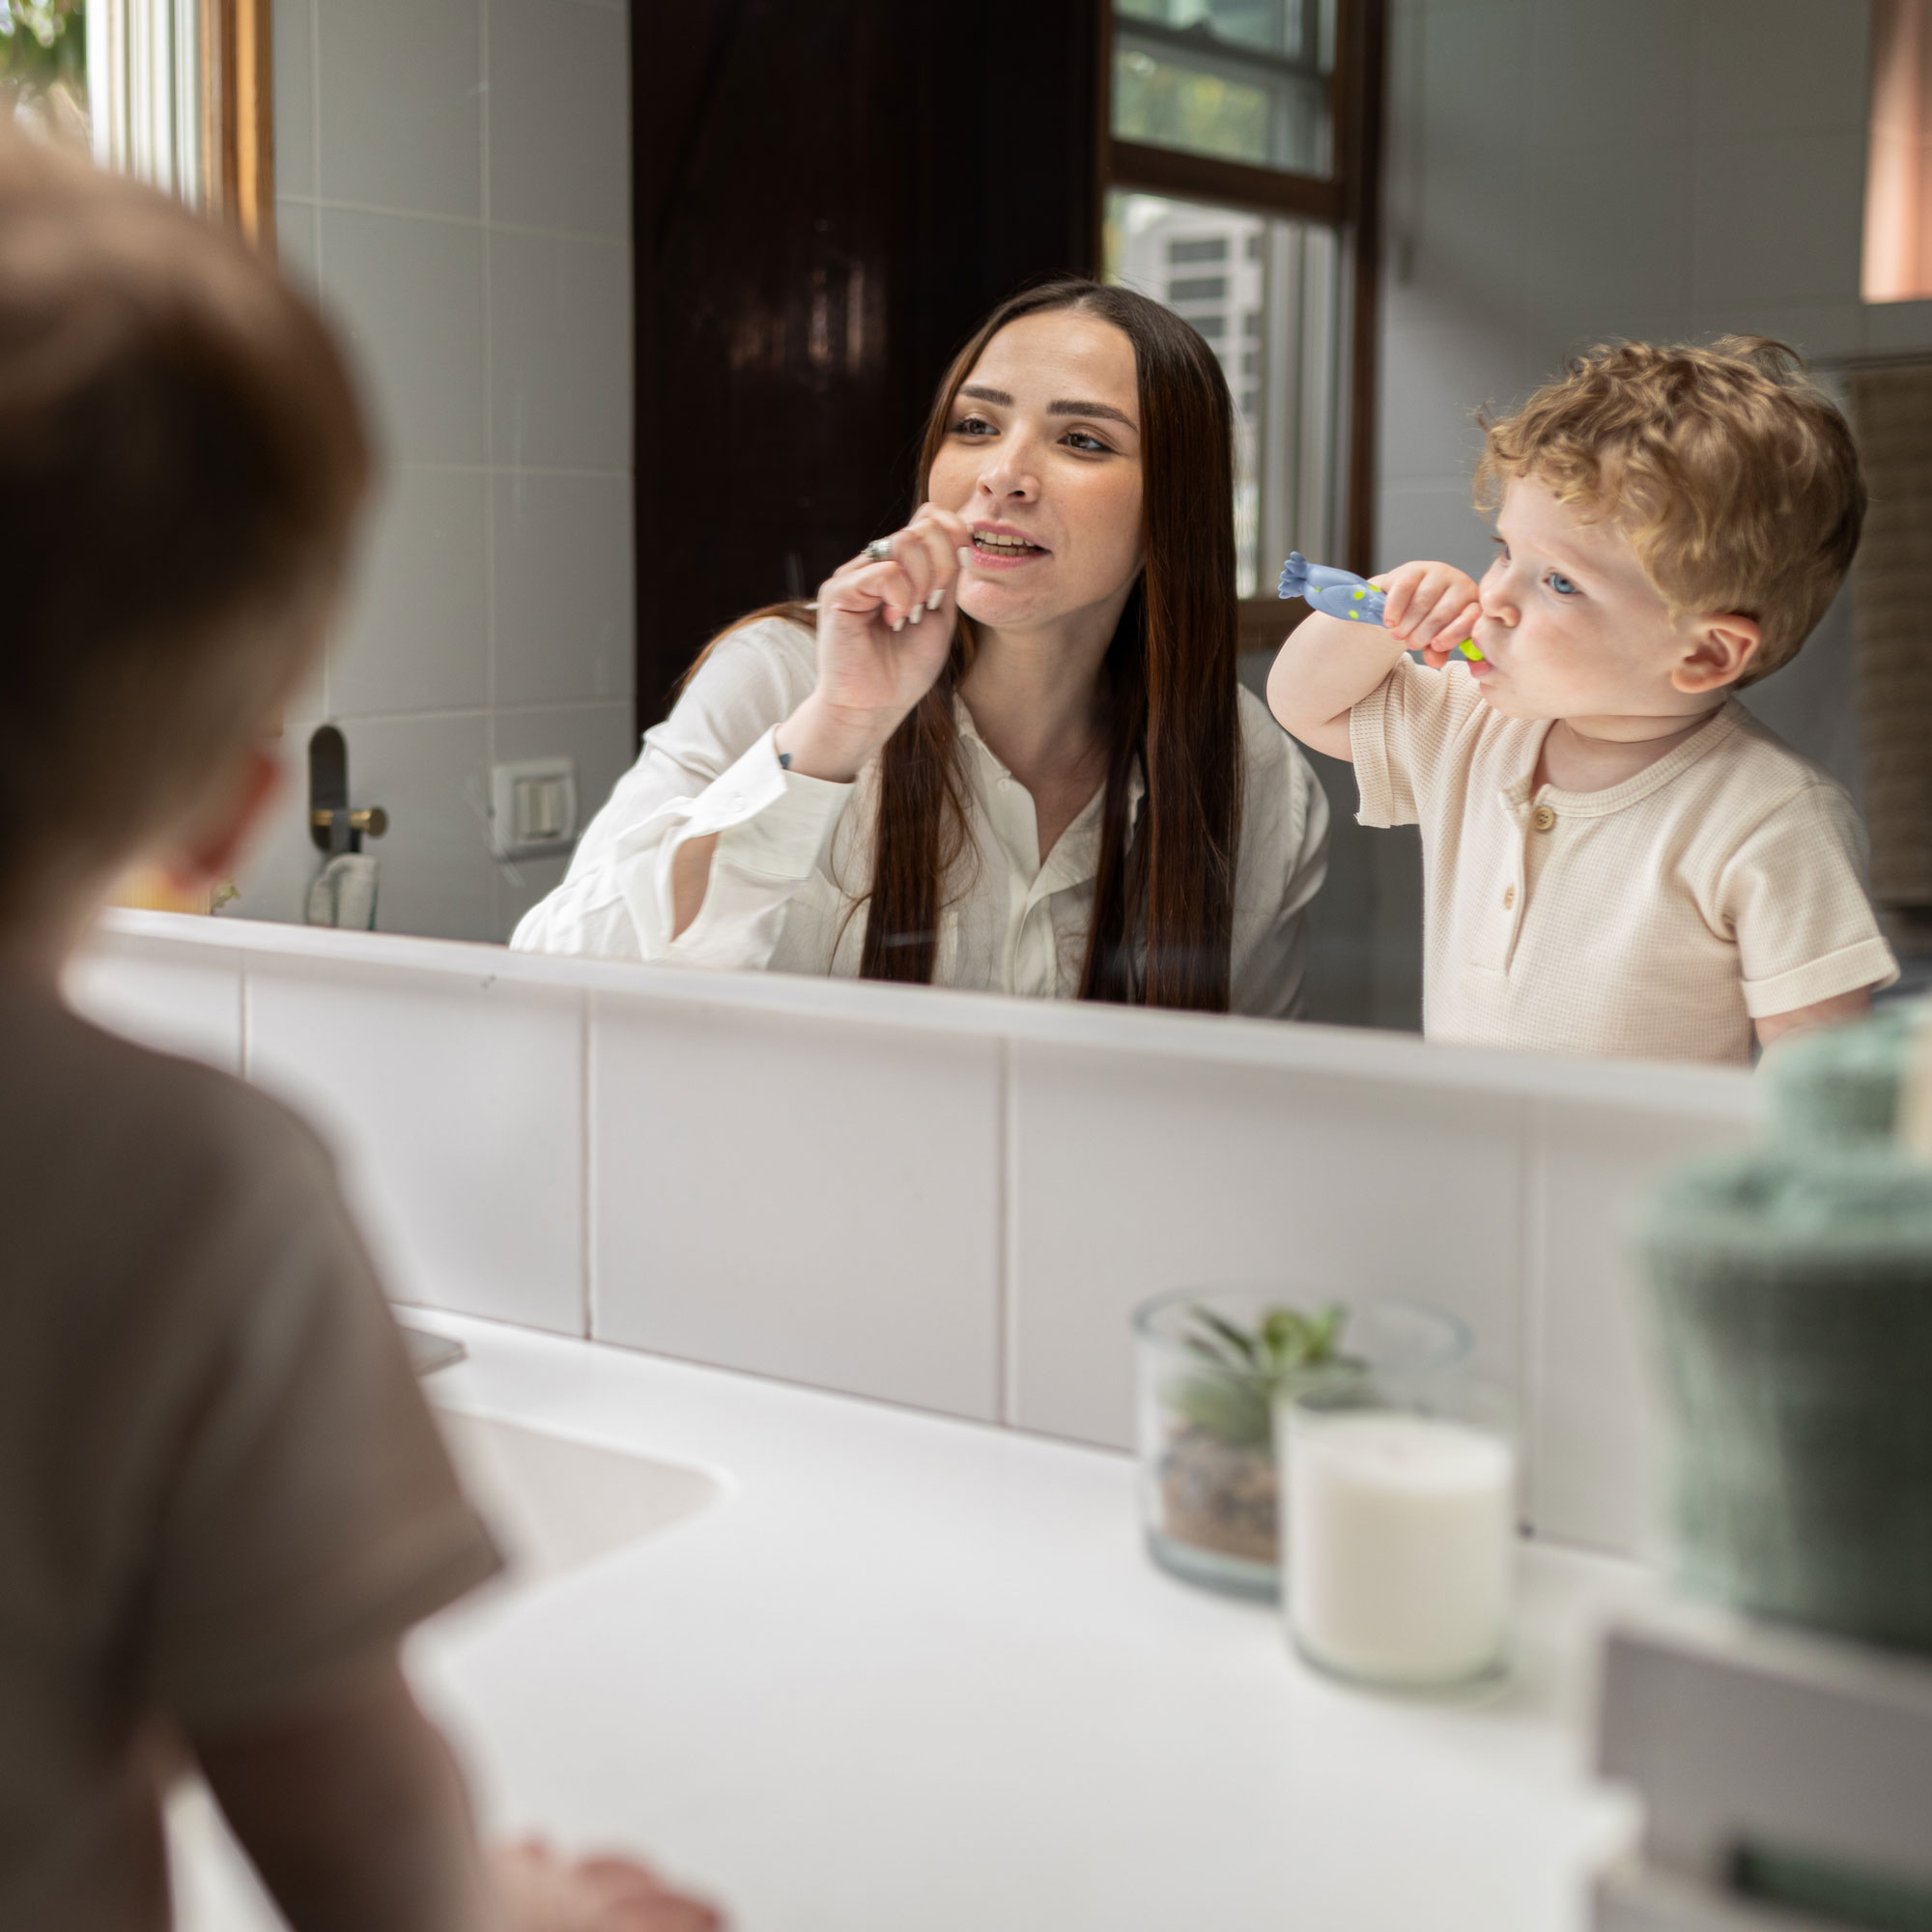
651,310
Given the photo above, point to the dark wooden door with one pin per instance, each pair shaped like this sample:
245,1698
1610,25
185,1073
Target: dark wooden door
829,195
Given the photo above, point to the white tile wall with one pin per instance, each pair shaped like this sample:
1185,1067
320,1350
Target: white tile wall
1131,1177
456,1107
959,1214
804,1199
454,183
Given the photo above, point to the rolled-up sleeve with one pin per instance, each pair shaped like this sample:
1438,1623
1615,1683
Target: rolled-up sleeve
1795,898
711,768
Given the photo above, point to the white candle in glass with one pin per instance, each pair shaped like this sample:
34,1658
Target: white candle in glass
1400,1536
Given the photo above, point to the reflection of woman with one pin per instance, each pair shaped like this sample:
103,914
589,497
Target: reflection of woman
1014,756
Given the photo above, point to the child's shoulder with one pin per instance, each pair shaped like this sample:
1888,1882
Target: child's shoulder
1763,773
92,1126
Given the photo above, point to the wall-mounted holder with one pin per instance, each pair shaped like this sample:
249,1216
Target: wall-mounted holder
332,826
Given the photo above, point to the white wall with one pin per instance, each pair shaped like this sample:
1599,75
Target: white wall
454,180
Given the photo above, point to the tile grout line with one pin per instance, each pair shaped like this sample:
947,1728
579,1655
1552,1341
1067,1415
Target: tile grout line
498,884
1530,1299
1007,1261
321,287
587,1146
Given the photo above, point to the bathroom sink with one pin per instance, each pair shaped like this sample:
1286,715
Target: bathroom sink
553,1505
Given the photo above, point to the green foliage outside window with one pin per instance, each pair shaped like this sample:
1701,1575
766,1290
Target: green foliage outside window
43,66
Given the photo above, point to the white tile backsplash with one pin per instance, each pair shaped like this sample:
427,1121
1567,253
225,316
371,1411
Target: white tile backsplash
563,588
410,292
1132,1175
291,37
556,66
560,351
495,345
1779,67
802,1199
431,775
457,1111
401,93
957,1215
414,636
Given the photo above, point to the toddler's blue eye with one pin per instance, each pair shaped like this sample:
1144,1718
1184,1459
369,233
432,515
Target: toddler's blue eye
1561,584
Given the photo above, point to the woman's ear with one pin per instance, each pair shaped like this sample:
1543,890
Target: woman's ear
1719,653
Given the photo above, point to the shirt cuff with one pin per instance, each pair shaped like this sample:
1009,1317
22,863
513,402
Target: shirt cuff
1849,970
772,823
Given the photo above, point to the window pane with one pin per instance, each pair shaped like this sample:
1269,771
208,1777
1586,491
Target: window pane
1242,81
43,68
1273,320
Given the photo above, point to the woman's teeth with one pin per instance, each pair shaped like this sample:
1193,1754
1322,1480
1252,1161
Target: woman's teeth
1002,546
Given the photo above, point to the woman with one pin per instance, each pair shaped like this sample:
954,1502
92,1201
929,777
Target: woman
1012,753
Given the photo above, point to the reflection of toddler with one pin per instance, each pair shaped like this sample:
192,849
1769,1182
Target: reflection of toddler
1618,858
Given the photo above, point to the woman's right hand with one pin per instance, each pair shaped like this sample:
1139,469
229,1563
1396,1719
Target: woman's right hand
884,630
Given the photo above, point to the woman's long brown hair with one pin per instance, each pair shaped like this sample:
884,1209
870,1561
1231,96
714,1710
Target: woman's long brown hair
1164,895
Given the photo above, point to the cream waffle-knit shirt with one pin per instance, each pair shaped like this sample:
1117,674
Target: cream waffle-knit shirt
1656,920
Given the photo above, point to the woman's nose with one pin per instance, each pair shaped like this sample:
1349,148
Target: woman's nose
1010,472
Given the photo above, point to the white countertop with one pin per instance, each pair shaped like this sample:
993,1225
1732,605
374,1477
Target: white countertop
918,1675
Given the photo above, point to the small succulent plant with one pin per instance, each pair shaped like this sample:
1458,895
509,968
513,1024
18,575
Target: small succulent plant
1232,1399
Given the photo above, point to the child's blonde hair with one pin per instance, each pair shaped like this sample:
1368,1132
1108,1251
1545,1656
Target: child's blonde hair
182,465
1733,474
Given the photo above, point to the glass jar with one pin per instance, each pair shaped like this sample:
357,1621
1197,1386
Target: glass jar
1212,1363
1399,1520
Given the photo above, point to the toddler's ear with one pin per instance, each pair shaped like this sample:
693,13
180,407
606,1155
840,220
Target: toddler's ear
209,847
1719,653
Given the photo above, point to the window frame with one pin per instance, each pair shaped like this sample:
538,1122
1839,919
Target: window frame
1347,200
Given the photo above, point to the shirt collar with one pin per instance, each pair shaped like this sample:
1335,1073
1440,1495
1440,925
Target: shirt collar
1721,725
1076,858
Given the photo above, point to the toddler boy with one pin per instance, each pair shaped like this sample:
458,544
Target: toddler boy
1618,858
222,1500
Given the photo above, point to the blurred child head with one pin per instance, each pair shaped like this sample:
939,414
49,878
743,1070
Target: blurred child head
1673,523
181,463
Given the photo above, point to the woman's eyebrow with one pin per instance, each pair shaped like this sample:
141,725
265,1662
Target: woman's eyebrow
1103,409
980,393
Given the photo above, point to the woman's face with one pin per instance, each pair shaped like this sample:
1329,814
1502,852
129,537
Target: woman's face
1042,458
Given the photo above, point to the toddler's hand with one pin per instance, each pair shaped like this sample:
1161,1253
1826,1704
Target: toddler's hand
1430,608
538,1892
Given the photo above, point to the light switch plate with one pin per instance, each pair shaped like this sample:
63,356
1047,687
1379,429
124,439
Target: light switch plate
534,805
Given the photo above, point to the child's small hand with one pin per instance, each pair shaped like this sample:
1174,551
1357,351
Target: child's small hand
1431,609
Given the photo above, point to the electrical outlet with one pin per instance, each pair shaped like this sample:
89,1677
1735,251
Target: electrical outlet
534,805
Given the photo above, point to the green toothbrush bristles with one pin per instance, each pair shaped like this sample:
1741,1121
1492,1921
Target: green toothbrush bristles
1468,649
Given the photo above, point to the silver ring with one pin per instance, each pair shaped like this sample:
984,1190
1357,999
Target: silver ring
880,550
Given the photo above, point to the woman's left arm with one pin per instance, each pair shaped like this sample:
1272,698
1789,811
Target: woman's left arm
1284,861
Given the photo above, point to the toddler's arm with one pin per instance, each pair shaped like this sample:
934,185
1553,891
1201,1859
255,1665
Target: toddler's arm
1839,1011
1327,665
354,1814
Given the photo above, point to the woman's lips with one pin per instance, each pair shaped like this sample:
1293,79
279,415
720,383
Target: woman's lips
1005,556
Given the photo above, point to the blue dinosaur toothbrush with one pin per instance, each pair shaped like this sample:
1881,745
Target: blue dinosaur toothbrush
1341,593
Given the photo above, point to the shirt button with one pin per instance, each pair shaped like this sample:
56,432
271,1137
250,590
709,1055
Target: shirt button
1509,897
1543,818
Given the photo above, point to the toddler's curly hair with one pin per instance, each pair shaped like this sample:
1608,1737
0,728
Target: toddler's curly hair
1733,474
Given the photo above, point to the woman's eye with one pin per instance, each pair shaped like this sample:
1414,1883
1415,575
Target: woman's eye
1560,583
1080,439
973,426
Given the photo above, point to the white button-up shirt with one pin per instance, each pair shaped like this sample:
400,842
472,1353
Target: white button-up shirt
794,854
